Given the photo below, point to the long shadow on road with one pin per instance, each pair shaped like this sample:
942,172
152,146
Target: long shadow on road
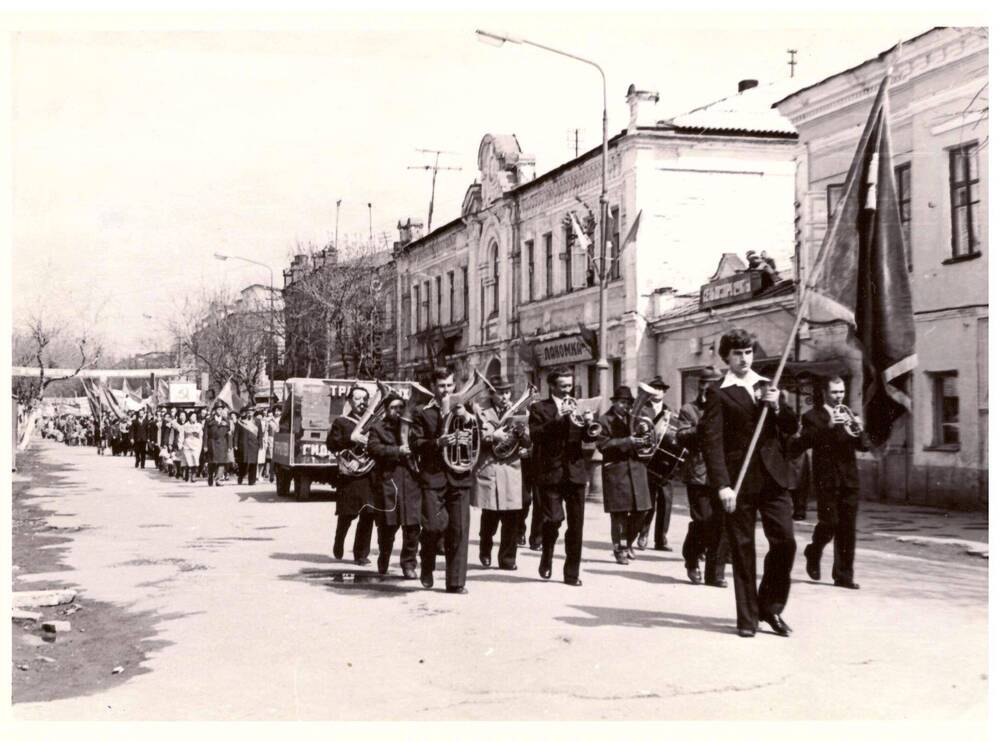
600,616
367,583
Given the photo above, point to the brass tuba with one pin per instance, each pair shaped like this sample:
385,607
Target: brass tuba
642,426
513,423
355,461
852,426
462,455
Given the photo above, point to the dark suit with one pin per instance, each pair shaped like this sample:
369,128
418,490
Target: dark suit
727,428
139,442
661,494
354,494
561,475
445,501
835,480
398,498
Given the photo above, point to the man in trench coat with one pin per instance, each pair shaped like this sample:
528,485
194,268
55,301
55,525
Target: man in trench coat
249,434
216,444
623,474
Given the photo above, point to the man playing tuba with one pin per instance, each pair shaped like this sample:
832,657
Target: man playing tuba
354,493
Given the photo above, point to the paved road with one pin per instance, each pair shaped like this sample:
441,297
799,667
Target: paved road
255,620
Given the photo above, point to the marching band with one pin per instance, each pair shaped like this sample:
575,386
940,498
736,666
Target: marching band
417,465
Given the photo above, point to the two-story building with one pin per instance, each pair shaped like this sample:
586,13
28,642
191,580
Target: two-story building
509,288
938,99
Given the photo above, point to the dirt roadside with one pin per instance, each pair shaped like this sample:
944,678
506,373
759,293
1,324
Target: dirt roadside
103,636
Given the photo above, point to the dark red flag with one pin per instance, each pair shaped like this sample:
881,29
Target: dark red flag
862,276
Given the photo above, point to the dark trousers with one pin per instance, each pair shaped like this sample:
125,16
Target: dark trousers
507,520
775,507
706,534
247,470
362,534
554,498
534,534
411,540
662,496
625,526
213,472
838,516
140,454
445,510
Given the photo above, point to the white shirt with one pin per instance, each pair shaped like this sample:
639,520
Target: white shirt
748,382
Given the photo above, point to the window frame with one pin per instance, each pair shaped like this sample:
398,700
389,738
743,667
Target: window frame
831,203
905,203
547,238
970,150
939,424
614,217
529,248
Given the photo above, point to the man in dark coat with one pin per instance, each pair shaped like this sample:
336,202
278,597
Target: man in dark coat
661,493
249,433
731,412
216,443
397,493
827,430
623,474
354,491
445,492
706,534
139,438
561,473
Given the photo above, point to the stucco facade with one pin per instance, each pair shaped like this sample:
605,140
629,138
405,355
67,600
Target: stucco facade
939,127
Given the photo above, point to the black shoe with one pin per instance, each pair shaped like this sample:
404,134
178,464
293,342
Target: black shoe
641,542
572,581
383,561
629,553
621,557
362,561
812,563
849,584
717,583
662,547
509,567
535,547
777,625
798,516
338,549
694,574
746,633
427,578
409,573
486,559
545,566
456,590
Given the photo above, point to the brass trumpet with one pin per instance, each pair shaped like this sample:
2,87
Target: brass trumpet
578,417
852,426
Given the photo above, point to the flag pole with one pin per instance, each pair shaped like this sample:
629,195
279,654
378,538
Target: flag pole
803,303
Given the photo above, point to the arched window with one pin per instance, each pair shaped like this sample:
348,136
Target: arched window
495,254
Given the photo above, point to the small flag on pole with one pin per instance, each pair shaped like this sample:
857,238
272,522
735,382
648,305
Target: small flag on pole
863,279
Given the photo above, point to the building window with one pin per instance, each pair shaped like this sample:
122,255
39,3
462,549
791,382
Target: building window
592,380
568,257
515,281
548,263
964,179
529,247
495,254
945,399
904,195
465,292
616,374
426,307
416,306
614,234
451,296
407,328
833,192
437,287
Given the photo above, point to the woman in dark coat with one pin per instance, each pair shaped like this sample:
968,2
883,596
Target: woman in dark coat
217,445
397,492
623,475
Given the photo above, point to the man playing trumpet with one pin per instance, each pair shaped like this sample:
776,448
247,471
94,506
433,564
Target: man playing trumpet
834,434
498,482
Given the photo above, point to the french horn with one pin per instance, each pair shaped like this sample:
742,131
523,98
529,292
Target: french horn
512,422
462,455
852,426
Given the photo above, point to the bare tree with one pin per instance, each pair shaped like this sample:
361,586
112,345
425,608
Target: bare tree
48,343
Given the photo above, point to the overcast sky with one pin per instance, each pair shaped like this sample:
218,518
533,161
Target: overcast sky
137,155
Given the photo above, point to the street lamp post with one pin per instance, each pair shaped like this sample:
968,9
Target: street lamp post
498,39
270,371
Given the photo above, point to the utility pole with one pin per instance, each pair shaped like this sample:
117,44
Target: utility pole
791,61
573,139
370,238
434,172
336,235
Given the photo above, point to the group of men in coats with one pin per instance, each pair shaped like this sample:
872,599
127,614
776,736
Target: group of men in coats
413,489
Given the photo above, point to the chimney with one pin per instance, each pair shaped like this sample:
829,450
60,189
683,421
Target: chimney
745,85
412,229
641,108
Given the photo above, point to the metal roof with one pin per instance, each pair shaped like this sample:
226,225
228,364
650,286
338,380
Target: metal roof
750,111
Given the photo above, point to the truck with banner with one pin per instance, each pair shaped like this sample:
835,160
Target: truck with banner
300,454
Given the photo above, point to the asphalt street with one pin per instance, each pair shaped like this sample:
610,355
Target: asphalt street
254,619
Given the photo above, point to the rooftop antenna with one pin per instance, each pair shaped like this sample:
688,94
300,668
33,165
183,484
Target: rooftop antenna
434,172
573,139
792,62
